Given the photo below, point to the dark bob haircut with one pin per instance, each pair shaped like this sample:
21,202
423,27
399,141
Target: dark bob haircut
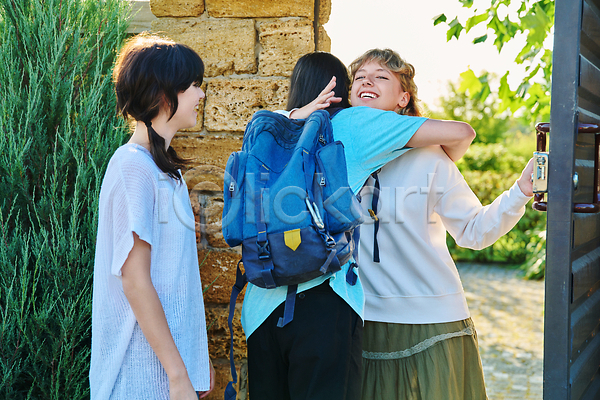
312,73
149,74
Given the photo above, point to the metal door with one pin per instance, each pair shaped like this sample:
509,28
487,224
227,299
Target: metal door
572,302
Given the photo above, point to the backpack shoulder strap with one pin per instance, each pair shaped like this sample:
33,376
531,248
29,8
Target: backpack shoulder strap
240,282
373,213
281,127
334,110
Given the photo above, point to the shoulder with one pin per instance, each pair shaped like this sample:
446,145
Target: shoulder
433,153
132,165
429,155
363,112
372,114
434,159
430,159
371,120
132,154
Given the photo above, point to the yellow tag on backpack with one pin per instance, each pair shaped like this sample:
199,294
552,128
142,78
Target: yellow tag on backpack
292,239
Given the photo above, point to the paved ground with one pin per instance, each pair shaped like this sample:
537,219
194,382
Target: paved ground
508,315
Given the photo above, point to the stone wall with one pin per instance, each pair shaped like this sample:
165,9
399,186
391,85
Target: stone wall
249,48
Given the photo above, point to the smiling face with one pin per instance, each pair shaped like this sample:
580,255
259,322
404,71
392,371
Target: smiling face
377,87
187,107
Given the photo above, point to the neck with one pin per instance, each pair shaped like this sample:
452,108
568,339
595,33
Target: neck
160,125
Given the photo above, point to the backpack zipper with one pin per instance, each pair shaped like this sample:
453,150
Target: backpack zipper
234,173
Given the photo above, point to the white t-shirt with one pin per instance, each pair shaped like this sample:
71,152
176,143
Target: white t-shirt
136,196
422,196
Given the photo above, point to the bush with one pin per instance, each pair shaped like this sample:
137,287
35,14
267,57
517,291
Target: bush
58,129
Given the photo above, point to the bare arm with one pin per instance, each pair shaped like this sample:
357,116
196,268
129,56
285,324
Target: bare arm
146,306
454,137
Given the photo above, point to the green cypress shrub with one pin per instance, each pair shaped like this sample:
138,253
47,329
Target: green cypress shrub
58,129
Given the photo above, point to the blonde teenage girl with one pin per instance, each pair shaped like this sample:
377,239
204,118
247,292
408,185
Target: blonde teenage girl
419,340
148,330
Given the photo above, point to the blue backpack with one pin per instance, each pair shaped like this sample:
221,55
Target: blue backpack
288,203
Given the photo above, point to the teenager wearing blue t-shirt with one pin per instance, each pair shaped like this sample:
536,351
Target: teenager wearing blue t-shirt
318,355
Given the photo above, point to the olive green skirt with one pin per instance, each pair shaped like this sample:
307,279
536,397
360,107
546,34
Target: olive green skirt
421,362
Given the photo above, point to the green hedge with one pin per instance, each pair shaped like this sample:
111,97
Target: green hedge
490,169
58,129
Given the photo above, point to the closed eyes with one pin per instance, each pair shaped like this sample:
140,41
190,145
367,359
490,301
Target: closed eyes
377,77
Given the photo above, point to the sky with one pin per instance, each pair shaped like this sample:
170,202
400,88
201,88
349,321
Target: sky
355,26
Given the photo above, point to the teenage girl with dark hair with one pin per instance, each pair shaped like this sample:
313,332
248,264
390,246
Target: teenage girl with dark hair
318,355
148,328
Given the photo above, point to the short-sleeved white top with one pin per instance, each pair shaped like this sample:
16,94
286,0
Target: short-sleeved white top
136,196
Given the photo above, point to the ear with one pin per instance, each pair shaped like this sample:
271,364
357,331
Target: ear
404,99
165,106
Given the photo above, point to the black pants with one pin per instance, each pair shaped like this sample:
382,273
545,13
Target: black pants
317,356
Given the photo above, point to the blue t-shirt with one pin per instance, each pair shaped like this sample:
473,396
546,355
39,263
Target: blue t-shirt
371,138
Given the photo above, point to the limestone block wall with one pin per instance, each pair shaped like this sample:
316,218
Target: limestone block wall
249,48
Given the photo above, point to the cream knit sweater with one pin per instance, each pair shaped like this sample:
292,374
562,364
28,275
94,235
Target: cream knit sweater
423,195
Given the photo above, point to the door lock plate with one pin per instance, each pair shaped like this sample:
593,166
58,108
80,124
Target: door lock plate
540,172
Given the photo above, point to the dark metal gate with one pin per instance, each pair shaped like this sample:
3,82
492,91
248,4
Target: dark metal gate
572,304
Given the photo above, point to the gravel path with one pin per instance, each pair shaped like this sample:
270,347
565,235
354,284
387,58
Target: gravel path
508,314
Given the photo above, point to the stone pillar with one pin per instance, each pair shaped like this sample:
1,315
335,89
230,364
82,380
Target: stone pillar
249,48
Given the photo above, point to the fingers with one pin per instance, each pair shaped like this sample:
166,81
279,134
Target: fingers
212,382
525,182
324,100
327,96
325,104
528,171
529,167
213,377
329,88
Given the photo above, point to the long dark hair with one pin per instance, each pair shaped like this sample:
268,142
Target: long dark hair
312,73
149,74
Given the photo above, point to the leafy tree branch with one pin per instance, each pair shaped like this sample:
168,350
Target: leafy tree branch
504,21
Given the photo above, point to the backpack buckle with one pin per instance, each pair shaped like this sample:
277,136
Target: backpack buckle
264,250
329,241
373,215
314,212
